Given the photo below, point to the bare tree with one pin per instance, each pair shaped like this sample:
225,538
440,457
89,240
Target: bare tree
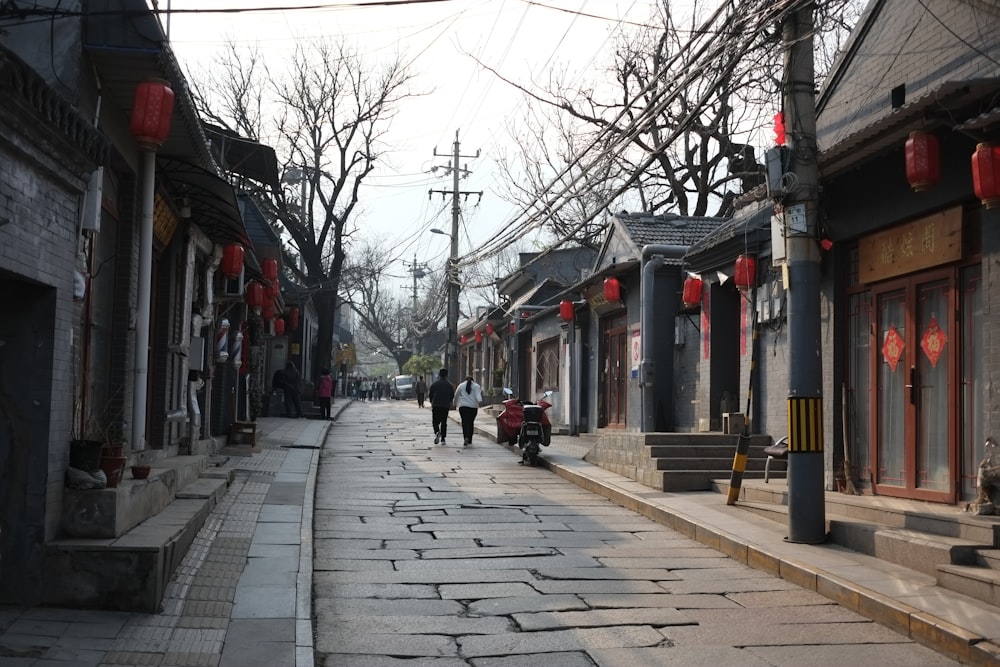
392,323
328,113
676,129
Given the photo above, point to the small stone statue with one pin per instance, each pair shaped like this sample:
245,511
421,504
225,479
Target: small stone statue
987,481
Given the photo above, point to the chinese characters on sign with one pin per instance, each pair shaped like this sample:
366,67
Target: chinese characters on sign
930,241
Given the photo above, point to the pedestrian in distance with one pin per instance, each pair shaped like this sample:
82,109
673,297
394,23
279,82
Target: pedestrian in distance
291,379
420,389
365,389
468,398
324,392
441,395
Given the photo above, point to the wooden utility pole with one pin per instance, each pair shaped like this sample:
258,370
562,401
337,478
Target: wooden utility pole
806,502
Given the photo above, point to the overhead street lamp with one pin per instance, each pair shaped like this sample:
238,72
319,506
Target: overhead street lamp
451,348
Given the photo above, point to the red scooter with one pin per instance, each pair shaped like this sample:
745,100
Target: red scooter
526,424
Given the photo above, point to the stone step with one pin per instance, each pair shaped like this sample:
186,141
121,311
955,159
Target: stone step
913,549
110,513
718,466
977,582
713,451
931,518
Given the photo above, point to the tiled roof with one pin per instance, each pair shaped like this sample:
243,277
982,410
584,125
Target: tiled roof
745,227
645,229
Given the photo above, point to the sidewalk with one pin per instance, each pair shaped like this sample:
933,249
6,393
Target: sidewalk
241,596
899,598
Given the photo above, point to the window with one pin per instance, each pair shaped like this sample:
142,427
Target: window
547,364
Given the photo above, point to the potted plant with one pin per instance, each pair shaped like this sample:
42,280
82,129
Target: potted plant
114,438
141,468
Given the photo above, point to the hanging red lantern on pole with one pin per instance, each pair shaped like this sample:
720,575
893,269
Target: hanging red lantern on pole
152,109
746,272
513,328
612,289
693,288
566,310
464,339
267,312
479,337
779,129
269,267
293,318
279,327
272,289
923,161
232,261
489,329
255,296
986,174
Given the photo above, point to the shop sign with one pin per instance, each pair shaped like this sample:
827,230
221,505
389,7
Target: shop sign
921,244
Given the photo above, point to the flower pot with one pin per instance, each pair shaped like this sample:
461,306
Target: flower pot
114,449
85,455
113,467
140,471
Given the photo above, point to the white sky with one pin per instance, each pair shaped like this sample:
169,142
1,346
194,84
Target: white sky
521,39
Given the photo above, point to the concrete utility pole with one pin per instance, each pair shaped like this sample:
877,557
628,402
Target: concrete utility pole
806,503
419,271
451,351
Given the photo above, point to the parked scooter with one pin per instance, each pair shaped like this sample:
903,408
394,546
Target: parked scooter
525,423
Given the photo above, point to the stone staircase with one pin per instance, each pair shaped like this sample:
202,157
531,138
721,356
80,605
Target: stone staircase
120,546
678,461
961,550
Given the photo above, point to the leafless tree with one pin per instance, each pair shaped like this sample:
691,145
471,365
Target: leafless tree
326,113
392,323
676,129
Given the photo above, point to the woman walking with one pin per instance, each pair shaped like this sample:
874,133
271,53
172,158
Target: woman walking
324,393
468,398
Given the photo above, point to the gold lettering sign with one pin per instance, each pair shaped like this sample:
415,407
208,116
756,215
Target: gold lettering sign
921,244
164,222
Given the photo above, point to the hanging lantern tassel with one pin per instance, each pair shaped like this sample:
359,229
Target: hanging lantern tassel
222,342
238,350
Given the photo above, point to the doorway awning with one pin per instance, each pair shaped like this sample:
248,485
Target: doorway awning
214,208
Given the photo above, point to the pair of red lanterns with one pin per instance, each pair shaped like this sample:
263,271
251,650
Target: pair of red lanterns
923,167
744,277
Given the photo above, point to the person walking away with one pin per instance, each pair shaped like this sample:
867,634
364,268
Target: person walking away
468,398
324,392
420,389
441,395
365,388
278,387
291,388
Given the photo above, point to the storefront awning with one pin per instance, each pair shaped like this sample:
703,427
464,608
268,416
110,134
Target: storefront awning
214,208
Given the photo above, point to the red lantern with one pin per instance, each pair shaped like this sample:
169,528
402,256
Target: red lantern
270,268
479,337
232,261
566,310
513,328
152,109
255,296
923,161
267,312
779,129
746,272
489,329
279,327
692,292
986,174
293,318
272,289
464,339
612,289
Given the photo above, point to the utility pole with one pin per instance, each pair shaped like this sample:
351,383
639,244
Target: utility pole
451,351
806,502
418,271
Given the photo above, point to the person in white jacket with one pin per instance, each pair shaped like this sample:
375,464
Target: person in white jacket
468,398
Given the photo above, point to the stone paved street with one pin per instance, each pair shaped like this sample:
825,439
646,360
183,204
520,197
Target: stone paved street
431,555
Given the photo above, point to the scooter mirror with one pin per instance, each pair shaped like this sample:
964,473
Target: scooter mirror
508,391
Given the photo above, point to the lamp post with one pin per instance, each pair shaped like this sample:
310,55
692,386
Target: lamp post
451,348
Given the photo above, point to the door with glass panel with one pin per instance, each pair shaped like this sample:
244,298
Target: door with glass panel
914,441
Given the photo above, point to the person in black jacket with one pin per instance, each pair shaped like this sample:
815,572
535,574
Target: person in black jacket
441,394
